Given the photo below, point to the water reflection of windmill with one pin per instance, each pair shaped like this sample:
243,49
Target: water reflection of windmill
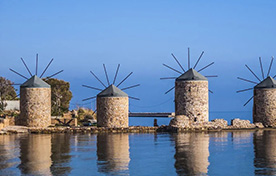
113,154
265,153
35,98
191,153
191,90
35,155
264,108
112,102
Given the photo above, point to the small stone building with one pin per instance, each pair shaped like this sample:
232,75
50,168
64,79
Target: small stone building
191,96
112,108
35,103
264,108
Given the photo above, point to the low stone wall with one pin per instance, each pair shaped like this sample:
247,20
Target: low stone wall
8,121
182,123
174,127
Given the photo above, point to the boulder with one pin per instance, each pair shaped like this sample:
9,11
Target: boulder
219,123
259,125
238,123
180,121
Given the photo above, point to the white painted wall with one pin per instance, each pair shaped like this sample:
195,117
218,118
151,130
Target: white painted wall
12,105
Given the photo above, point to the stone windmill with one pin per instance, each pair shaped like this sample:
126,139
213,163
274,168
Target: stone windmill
112,102
264,108
191,91
35,98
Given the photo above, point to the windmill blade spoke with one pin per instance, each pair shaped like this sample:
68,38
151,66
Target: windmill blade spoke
89,98
16,96
272,58
90,87
124,79
247,80
131,87
12,84
199,59
134,98
116,73
248,101
168,78
188,58
170,90
97,78
60,84
177,62
261,65
46,68
26,66
54,74
244,90
106,74
210,91
172,69
18,73
206,67
211,76
252,72
94,112
36,68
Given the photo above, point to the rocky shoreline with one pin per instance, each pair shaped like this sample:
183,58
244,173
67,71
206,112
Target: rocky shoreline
175,126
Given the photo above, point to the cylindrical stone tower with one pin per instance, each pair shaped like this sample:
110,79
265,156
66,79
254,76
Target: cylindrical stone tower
112,108
191,96
35,103
264,108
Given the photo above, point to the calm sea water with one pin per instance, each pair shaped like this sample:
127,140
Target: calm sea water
217,153
148,121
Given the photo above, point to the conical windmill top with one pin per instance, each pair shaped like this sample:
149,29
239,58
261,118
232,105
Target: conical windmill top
35,82
191,74
111,90
268,83
264,83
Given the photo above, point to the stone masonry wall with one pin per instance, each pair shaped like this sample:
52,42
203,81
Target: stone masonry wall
191,100
35,107
112,111
264,109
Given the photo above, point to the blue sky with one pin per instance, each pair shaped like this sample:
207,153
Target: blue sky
140,35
